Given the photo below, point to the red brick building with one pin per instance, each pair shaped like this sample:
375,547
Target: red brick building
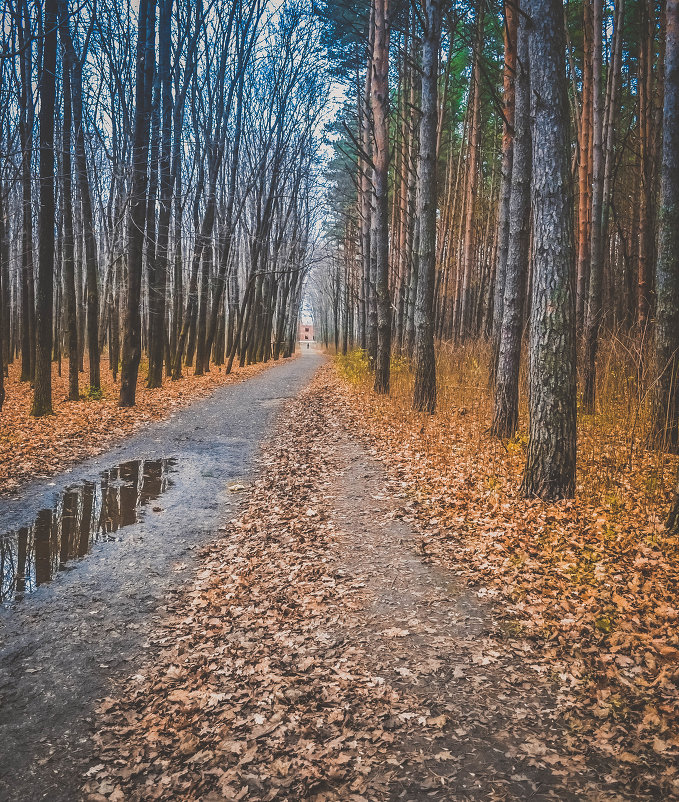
306,332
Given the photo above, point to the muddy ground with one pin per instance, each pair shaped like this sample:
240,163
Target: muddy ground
65,645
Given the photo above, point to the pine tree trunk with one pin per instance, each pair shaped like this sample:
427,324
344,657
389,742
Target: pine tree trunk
550,466
667,264
645,116
380,109
584,171
594,296
506,410
464,300
424,396
508,98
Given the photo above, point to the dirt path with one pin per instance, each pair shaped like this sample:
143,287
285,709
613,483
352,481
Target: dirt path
65,645
435,640
319,656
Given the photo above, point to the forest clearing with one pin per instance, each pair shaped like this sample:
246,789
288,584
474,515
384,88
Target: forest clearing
339,400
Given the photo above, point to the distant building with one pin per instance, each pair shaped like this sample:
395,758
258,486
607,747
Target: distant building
306,332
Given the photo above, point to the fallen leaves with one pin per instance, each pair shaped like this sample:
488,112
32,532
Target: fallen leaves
274,677
254,690
591,584
37,447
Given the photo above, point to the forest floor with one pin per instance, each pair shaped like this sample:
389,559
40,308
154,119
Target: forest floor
68,640
33,448
377,626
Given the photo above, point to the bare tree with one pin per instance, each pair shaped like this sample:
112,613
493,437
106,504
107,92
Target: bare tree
42,398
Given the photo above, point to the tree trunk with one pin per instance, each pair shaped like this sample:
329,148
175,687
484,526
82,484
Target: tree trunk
380,109
464,299
26,136
424,395
508,94
137,211
584,170
667,264
645,117
550,466
594,297
157,299
42,398
68,248
506,410
4,310
87,217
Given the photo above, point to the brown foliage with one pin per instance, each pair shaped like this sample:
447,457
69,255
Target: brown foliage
592,582
37,447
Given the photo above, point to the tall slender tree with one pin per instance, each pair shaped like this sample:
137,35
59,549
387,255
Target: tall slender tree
42,398
594,296
380,110
550,465
424,396
506,408
129,371
67,196
511,20
667,263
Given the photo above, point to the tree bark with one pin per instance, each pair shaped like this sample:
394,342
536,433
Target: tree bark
90,242
42,397
584,170
424,395
667,264
550,465
380,109
26,136
506,410
508,96
594,296
157,299
68,247
137,211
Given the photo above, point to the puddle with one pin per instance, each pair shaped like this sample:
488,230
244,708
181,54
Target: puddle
85,514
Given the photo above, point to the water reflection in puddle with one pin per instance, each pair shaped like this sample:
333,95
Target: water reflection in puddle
85,514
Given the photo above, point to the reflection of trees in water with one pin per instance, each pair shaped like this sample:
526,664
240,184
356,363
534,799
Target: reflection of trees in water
31,556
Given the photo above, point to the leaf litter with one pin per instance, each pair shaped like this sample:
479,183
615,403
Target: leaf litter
381,648
33,448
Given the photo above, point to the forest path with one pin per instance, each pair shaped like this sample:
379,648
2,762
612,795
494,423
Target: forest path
63,646
320,656
432,638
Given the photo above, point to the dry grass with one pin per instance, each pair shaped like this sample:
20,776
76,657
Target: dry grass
592,582
614,453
